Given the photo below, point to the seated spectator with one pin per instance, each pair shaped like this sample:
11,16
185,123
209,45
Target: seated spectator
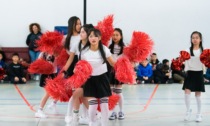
207,76
2,65
16,72
154,62
2,59
144,72
163,74
178,75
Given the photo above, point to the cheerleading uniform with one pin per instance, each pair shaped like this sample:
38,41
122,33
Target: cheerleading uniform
194,68
194,82
51,59
73,43
97,86
115,55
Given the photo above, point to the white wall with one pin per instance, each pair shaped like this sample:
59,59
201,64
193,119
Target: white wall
16,15
168,22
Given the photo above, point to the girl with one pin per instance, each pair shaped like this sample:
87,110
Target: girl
116,49
72,39
97,86
78,93
51,59
194,80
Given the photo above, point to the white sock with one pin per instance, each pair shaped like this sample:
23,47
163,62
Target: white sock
40,109
70,107
76,115
187,101
118,91
84,111
198,99
104,111
55,102
93,105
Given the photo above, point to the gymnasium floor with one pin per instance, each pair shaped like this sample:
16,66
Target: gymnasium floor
145,105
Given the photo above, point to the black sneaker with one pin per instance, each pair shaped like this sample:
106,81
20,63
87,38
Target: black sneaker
113,116
121,116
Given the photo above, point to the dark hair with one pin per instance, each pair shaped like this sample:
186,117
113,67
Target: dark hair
154,54
97,33
31,27
165,68
121,43
165,61
15,54
3,55
201,46
86,27
71,27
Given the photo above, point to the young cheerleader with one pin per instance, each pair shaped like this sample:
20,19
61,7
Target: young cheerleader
72,39
97,86
78,93
194,80
51,59
116,48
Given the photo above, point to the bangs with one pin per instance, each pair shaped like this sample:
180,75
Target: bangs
95,32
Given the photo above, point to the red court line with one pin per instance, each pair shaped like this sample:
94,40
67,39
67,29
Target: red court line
149,100
24,99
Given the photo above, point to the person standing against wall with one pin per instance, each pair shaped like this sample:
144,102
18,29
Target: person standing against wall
35,34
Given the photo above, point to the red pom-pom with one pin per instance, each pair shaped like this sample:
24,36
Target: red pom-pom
41,66
62,58
50,42
2,73
205,57
113,100
82,72
140,47
124,70
58,89
177,64
184,55
106,29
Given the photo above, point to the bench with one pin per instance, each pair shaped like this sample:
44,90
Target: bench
22,51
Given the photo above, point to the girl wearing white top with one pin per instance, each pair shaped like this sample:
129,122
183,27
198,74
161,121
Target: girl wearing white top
78,93
194,80
97,86
72,39
51,59
116,49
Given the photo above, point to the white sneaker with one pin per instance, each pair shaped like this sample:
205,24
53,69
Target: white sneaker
52,107
40,114
68,119
198,118
75,120
188,115
84,120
